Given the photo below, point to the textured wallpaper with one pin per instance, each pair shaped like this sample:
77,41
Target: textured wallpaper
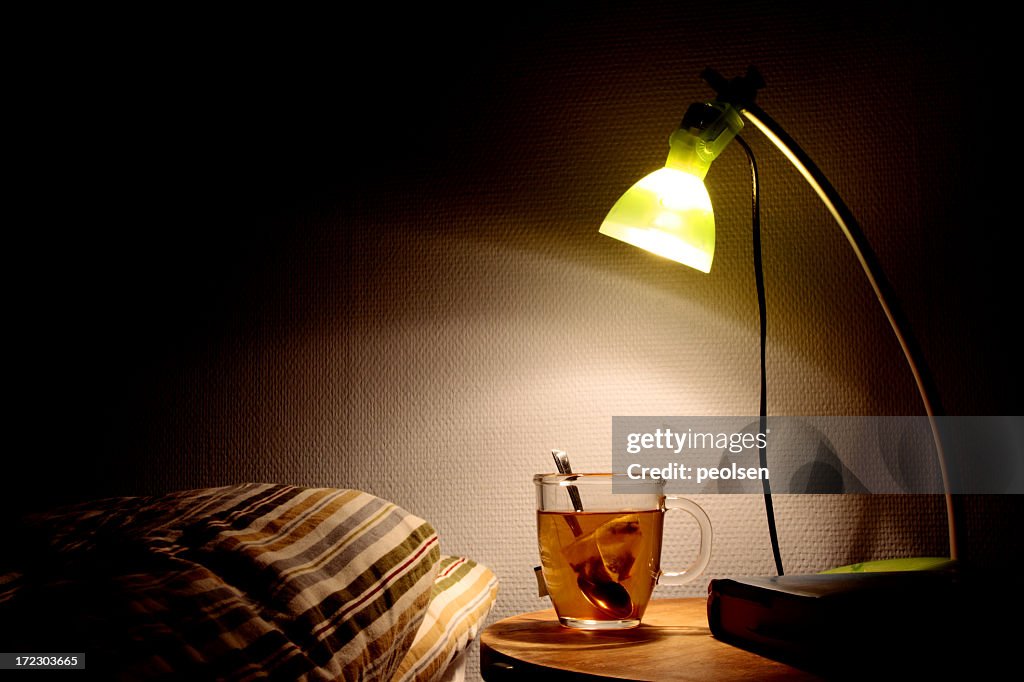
438,311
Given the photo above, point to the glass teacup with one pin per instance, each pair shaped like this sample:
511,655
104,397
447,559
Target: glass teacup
601,549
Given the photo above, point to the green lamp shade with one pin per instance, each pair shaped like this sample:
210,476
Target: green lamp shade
667,213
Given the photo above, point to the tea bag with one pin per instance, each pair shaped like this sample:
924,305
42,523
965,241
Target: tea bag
618,541
608,552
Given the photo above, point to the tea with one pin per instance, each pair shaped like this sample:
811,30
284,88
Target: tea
600,566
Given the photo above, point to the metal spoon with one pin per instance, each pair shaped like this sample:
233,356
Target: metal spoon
607,595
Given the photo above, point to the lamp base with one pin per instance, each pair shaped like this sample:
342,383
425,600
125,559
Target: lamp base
851,623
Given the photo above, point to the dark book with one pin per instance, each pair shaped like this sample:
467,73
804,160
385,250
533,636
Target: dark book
850,624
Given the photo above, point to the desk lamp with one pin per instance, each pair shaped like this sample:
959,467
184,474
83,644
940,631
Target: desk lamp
669,213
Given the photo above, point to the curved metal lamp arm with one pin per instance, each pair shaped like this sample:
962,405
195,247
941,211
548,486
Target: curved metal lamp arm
883,290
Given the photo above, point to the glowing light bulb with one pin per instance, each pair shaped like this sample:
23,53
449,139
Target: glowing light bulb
667,213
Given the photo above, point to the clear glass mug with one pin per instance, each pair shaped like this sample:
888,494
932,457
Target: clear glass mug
600,548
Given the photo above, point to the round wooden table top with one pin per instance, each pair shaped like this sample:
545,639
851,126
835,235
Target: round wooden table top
672,643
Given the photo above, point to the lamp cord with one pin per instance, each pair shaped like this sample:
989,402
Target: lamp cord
740,92
883,292
755,206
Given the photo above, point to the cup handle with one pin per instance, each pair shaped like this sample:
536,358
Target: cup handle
669,503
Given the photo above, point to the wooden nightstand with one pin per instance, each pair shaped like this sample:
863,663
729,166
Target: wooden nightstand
673,643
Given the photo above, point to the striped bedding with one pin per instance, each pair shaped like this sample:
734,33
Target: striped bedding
463,594
242,582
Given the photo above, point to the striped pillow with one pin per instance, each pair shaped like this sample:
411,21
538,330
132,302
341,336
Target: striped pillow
346,574
464,593
228,583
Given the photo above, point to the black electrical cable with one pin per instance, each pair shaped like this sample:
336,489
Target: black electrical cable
769,508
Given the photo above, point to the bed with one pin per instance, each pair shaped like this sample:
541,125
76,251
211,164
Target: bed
251,581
